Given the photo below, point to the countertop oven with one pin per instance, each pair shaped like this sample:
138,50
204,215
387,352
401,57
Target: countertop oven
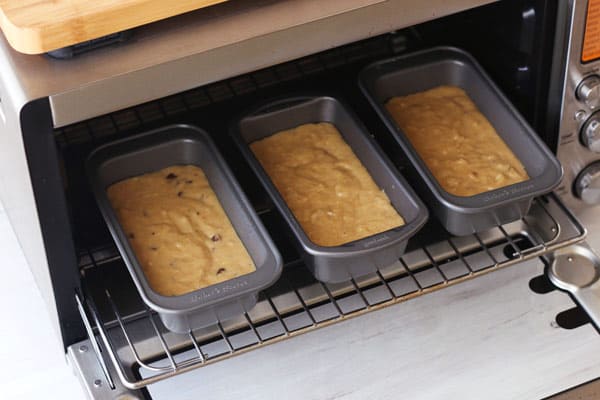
511,312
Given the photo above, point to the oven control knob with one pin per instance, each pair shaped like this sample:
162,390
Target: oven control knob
590,133
587,184
588,91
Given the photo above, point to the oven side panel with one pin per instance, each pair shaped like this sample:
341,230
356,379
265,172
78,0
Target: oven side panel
53,218
16,191
33,199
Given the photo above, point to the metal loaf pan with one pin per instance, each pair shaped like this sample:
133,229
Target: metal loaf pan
427,69
181,145
360,257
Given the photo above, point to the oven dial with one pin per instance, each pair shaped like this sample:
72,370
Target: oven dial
587,184
590,133
588,91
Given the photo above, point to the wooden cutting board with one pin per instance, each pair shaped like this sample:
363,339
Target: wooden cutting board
38,26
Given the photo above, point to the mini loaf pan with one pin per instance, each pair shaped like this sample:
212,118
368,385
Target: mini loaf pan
360,257
186,145
427,69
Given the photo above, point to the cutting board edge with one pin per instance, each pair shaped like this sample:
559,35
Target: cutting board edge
39,39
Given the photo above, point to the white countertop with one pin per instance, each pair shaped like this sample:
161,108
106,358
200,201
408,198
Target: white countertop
32,363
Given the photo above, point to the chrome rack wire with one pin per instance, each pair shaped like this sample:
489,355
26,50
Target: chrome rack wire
143,351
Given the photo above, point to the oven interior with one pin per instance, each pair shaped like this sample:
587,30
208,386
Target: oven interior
136,350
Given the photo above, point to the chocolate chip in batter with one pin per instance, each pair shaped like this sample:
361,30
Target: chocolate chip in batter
131,236
189,181
179,194
170,176
153,248
216,237
220,271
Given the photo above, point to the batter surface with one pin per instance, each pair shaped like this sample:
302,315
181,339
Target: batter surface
178,230
455,140
325,185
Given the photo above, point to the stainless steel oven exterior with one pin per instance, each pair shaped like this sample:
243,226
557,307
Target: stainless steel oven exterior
485,334
576,90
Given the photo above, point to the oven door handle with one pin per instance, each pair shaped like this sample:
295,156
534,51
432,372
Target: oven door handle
576,269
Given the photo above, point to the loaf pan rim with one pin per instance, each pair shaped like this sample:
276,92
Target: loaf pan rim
463,204
174,304
349,249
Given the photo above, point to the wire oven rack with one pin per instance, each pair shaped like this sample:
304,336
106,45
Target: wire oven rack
142,351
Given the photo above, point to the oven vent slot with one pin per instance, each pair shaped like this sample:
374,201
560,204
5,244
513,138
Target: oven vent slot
142,351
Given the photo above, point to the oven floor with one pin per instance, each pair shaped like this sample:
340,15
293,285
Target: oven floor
490,337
